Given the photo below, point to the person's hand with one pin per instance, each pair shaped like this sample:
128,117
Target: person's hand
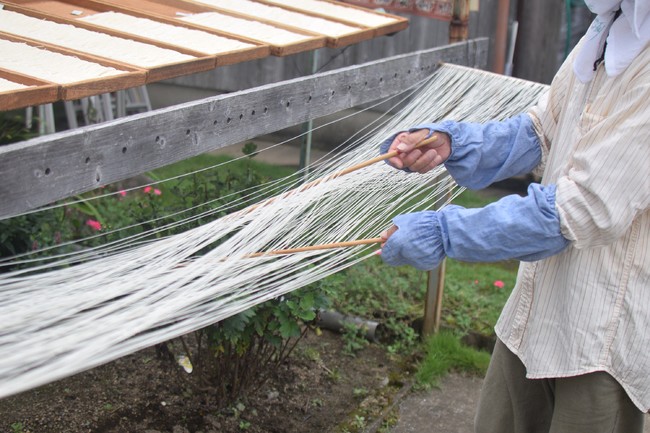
423,159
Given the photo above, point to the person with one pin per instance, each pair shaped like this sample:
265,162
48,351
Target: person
572,352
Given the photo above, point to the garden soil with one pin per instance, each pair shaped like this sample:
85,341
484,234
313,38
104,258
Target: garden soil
318,390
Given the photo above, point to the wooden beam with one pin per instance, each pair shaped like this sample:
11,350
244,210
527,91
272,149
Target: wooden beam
459,27
36,172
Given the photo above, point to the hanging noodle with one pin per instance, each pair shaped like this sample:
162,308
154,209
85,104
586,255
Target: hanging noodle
122,297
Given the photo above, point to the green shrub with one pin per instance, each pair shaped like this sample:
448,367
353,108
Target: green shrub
237,355
12,128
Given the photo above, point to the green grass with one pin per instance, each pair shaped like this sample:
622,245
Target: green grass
218,176
444,353
469,198
208,160
472,299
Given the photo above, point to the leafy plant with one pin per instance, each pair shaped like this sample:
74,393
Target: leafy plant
238,354
17,427
475,294
13,128
354,338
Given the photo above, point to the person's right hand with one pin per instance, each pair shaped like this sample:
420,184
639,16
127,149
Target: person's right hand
423,159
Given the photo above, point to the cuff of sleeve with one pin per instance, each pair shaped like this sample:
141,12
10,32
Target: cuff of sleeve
417,242
383,147
449,127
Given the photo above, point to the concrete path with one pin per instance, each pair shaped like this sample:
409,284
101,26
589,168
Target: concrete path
449,408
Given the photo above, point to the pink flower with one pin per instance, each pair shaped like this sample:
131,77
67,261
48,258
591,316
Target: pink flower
475,281
499,284
94,224
157,191
122,193
147,189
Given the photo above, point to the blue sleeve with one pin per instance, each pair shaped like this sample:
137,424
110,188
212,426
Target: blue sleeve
482,154
522,228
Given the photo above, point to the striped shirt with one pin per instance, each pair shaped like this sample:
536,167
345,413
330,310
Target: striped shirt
587,309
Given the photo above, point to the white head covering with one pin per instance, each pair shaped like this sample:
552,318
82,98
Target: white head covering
626,37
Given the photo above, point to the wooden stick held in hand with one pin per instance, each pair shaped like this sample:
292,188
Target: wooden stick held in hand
317,247
344,244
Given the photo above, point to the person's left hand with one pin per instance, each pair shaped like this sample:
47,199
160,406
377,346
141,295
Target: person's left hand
422,159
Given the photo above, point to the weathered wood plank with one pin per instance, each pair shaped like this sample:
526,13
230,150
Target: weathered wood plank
45,169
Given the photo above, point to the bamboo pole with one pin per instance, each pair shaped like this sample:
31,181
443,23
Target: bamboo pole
340,173
311,184
361,165
317,247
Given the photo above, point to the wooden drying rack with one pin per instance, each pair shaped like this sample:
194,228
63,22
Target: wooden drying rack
165,11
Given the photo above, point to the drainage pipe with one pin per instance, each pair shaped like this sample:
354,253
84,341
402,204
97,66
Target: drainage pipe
337,322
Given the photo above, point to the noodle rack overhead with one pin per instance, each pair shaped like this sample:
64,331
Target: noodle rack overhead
69,49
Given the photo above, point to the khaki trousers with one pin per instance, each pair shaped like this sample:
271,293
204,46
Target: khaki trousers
590,403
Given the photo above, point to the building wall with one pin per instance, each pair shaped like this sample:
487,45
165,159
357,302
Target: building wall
541,44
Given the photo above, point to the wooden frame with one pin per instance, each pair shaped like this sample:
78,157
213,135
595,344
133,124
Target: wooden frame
38,92
49,168
360,35
401,23
164,11
168,10
131,77
58,11
200,63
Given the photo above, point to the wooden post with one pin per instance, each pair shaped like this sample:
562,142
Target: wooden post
538,42
501,37
433,300
459,28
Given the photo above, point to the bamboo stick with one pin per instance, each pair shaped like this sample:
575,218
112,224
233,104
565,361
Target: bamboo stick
343,172
306,186
379,158
317,247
